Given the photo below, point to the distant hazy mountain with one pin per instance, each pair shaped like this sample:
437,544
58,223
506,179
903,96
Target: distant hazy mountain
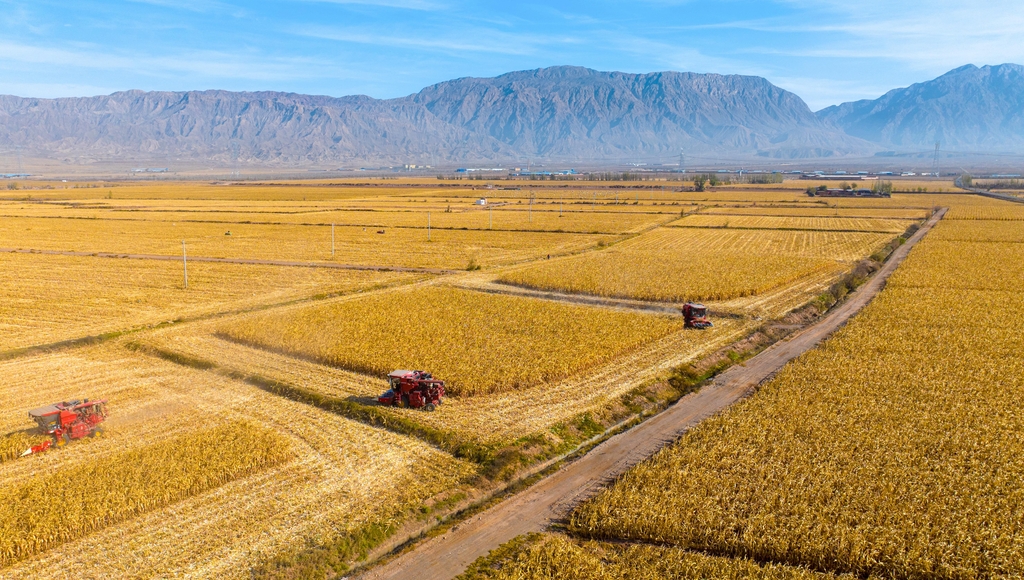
567,113
967,109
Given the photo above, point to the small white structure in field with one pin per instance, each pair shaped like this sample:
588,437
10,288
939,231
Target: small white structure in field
481,201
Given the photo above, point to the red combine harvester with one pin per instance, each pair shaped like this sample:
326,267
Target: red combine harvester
413,389
67,421
696,316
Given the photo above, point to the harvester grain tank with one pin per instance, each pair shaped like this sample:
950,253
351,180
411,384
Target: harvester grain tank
67,421
696,315
413,389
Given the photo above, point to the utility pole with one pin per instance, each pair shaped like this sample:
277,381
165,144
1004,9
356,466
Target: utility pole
184,263
332,240
490,218
428,226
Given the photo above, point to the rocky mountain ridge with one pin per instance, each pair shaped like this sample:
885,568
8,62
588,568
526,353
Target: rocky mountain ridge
564,113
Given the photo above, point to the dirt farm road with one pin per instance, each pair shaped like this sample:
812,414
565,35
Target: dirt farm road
533,509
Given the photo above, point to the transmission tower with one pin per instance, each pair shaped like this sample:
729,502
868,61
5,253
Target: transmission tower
935,160
682,165
234,159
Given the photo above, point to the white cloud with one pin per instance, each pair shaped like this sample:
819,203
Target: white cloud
423,5
934,35
468,40
202,64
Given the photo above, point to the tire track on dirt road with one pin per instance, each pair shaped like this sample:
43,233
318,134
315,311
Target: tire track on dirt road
551,499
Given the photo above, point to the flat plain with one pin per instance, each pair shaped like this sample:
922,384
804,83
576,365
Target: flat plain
552,311
889,451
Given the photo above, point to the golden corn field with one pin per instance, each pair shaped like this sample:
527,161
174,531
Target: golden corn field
333,483
802,211
480,343
498,418
554,557
843,224
13,444
891,450
243,430
57,507
621,273
678,264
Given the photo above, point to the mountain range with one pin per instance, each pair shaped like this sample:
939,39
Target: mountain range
559,113
966,109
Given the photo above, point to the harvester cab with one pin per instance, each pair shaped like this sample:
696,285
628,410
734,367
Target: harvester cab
696,316
413,389
68,421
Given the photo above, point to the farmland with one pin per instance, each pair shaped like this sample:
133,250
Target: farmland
352,244
551,313
554,557
746,263
111,295
333,461
867,455
842,224
457,336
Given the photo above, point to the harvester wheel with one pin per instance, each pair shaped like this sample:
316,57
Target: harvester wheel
428,407
96,432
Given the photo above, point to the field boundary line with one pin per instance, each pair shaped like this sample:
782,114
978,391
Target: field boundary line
986,193
92,339
507,289
319,224
245,261
779,229
550,499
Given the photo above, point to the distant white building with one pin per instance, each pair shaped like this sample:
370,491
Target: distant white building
481,201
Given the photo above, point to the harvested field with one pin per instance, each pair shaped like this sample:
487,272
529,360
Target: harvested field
330,487
288,360
52,508
868,454
517,216
48,298
353,245
493,419
480,343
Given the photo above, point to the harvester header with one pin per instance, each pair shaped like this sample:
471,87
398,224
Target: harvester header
67,421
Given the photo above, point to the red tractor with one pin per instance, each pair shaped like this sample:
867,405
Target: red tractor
413,389
68,421
696,316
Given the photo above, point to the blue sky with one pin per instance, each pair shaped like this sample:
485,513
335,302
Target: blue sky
826,51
